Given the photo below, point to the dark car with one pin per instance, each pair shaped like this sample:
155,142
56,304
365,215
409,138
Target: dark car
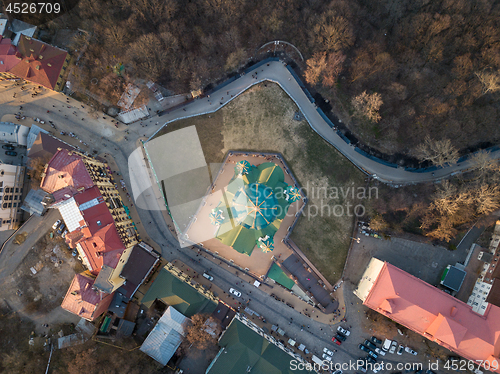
371,359
340,337
11,153
375,340
363,348
369,344
60,229
8,147
372,354
336,341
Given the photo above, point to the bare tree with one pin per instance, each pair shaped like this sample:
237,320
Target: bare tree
367,106
487,199
439,152
490,81
36,166
315,66
334,64
201,332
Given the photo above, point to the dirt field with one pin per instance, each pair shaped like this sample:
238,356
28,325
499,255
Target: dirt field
37,297
262,120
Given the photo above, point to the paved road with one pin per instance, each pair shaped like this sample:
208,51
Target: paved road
278,73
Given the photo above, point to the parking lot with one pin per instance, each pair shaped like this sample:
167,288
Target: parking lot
419,259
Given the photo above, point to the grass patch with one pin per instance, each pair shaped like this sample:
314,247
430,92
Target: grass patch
262,120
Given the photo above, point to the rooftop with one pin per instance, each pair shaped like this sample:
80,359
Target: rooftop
432,312
244,350
66,169
166,336
38,62
82,300
178,294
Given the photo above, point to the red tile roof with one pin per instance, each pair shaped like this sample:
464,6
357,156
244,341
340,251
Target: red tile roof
83,301
103,248
436,315
8,57
66,169
39,62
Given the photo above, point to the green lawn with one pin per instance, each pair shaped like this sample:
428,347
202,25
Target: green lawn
262,120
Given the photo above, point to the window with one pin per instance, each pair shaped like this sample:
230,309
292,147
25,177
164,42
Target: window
17,190
10,205
15,205
4,205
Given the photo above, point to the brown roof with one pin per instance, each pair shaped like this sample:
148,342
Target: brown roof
46,146
82,300
38,62
139,265
66,169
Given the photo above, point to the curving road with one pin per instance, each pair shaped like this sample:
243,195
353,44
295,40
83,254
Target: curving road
276,72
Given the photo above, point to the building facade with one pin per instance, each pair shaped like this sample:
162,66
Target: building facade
11,192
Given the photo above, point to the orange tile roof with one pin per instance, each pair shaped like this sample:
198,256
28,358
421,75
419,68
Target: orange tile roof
103,248
66,169
83,301
436,315
38,62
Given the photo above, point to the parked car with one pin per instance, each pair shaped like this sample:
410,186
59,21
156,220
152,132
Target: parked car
410,351
8,147
377,368
394,345
64,234
56,224
370,359
387,345
363,348
235,292
60,229
338,342
372,354
429,372
338,372
401,349
208,276
379,352
327,351
343,331
375,340
11,153
369,344
326,357
340,337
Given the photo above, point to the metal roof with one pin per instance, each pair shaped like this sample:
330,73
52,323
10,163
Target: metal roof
166,336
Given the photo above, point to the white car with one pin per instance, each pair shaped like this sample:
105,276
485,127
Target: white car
56,224
410,351
379,351
394,345
401,349
326,357
343,331
235,292
327,351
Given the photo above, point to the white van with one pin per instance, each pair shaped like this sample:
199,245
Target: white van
208,276
387,345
